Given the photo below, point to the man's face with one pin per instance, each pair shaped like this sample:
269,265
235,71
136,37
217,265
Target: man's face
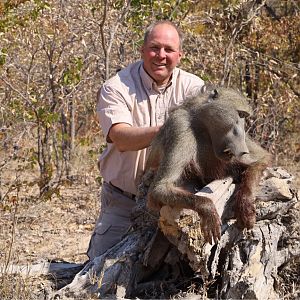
161,53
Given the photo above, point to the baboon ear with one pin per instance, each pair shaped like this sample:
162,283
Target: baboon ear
207,88
213,95
243,114
212,91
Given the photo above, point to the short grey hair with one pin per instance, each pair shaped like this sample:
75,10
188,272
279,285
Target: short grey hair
168,22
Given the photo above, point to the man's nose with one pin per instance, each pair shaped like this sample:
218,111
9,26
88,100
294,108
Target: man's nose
161,53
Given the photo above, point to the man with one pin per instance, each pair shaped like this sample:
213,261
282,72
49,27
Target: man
132,106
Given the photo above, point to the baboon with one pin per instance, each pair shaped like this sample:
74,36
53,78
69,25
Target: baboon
205,139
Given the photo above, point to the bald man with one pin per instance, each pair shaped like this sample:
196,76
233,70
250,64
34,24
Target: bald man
132,106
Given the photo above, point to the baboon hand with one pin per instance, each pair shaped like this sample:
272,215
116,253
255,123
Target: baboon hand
210,221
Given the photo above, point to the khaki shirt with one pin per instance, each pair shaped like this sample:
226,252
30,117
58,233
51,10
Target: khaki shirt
132,97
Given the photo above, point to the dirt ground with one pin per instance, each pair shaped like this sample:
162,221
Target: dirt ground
57,229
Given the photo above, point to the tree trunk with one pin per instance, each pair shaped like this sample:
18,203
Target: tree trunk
155,261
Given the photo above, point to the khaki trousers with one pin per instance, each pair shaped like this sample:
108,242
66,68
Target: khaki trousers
113,222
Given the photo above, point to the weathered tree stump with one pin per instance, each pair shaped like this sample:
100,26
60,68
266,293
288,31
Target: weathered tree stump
152,260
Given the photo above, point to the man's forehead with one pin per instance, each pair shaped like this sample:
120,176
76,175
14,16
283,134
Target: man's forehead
165,41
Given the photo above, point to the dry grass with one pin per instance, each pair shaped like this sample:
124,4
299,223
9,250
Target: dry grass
34,230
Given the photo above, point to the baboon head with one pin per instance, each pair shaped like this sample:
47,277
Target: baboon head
224,115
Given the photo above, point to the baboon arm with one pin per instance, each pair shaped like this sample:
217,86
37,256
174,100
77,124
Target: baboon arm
166,190
244,197
173,196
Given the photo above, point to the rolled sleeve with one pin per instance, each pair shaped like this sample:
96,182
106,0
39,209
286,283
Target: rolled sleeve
112,108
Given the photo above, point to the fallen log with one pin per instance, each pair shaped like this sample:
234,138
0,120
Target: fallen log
56,268
163,250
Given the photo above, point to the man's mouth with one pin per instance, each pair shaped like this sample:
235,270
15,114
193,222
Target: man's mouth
159,64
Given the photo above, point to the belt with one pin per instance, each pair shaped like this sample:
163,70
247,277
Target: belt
127,194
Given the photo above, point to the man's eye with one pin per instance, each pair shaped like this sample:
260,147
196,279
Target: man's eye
168,50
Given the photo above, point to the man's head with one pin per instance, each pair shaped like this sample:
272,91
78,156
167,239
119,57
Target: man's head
161,50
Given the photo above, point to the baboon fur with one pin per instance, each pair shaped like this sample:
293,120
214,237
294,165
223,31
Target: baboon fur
204,139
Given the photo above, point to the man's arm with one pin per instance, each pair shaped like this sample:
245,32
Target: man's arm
128,138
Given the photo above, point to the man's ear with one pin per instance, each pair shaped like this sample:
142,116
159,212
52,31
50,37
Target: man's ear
142,49
180,56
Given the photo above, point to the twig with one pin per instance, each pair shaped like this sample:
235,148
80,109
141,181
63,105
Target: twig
12,238
235,32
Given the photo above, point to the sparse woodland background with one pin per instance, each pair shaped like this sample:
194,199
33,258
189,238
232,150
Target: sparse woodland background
54,56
